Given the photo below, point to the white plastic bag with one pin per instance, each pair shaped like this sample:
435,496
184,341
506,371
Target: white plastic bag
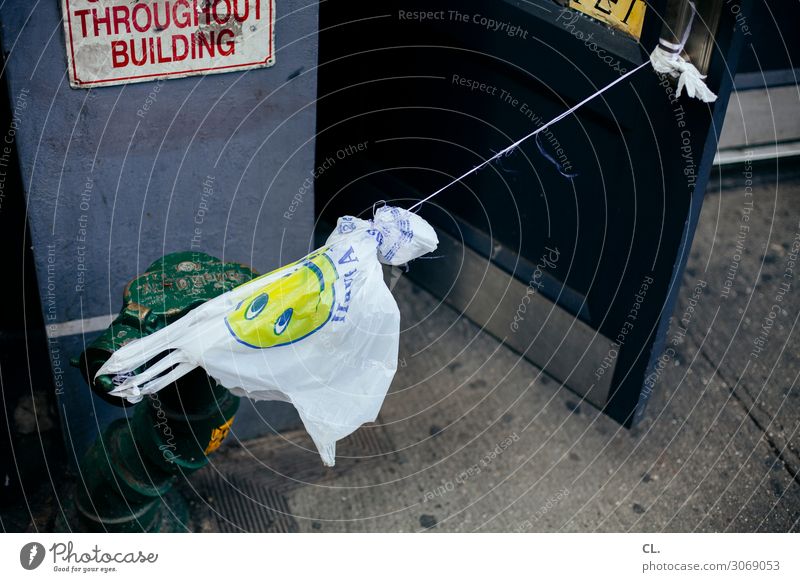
321,333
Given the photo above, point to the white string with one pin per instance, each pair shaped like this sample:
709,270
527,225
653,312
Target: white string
688,27
678,48
514,145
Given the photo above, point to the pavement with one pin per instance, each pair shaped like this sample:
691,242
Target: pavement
473,438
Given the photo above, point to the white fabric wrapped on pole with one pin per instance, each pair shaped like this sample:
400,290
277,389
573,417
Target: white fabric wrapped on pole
321,333
666,59
688,76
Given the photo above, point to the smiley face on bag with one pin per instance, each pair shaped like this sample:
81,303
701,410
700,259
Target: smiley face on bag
287,309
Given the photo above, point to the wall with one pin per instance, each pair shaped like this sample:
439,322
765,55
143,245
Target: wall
114,179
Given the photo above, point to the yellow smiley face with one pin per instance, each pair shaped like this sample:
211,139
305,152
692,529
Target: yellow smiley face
287,309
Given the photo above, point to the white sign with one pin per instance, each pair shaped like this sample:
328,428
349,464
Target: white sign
113,42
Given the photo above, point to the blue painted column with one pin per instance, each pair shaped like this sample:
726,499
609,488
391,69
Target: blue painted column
116,177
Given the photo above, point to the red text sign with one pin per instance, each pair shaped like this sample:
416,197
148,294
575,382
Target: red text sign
112,42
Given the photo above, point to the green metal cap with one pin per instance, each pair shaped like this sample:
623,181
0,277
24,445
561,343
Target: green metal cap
170,288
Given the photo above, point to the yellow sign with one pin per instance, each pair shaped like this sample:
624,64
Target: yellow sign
218,435
624,15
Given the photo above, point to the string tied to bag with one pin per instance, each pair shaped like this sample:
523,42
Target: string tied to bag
665,59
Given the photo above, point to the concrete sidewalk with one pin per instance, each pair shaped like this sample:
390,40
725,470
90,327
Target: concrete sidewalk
474,438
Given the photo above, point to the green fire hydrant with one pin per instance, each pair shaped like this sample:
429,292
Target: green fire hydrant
130,470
